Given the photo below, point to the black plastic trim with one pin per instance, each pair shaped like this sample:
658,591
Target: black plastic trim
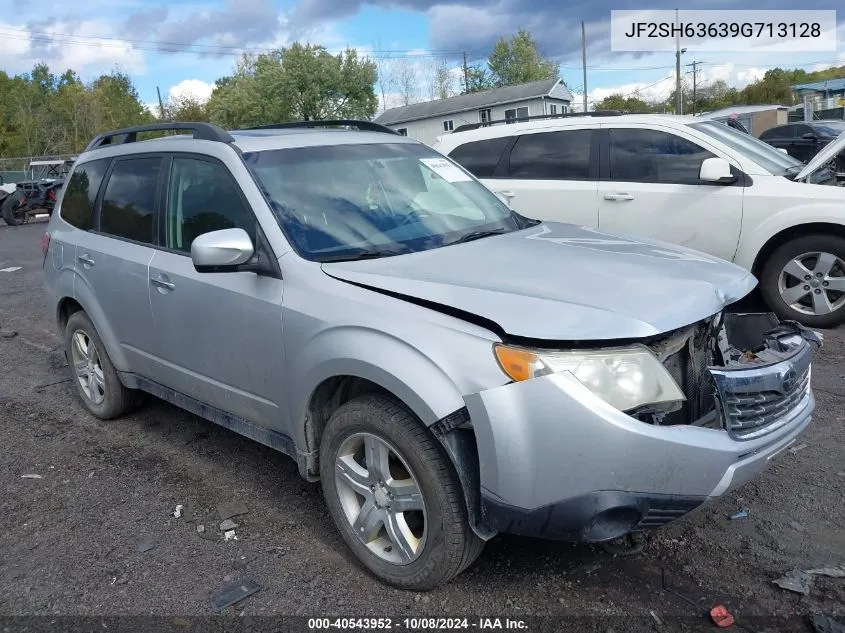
365,126
591,518
260,434
201,131
536,117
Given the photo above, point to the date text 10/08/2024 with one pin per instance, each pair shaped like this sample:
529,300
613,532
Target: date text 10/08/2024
425,624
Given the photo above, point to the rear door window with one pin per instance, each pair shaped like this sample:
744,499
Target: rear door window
129,202
81,193
563,155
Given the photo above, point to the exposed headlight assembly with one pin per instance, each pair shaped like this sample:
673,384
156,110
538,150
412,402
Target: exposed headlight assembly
625,377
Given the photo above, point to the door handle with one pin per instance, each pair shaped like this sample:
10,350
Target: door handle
618,196
85,258
162,283
507,194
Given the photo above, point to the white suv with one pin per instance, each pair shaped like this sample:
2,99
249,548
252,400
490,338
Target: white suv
683,180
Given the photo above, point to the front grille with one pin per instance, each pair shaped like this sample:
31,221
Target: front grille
759,400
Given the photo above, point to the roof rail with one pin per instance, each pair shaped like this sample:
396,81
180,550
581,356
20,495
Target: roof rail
203,131
364,126
536,117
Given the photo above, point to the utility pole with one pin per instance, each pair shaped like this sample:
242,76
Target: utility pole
466,74
679,102
160,104
694,77
584,60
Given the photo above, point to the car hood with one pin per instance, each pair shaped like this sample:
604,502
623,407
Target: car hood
559,282
824,156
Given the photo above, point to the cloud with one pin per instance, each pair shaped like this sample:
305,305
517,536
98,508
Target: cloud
475,25
238,24
191,88
63,44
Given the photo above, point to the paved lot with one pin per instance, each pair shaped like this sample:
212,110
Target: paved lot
70,541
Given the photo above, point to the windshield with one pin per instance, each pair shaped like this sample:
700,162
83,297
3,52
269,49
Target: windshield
342,202
769,158
829,128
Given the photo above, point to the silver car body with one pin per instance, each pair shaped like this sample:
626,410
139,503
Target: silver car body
546,456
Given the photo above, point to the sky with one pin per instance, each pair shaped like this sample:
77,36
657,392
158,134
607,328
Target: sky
182,46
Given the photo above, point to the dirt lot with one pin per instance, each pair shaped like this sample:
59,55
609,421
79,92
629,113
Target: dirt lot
72,539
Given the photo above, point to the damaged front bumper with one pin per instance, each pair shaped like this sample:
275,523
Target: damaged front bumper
556,461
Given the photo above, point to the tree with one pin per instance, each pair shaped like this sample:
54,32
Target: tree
440,81
627,104
405,80
519,61
186,108
44,113
300,82
478,79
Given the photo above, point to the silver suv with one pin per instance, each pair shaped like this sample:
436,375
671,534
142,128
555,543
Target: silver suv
447,368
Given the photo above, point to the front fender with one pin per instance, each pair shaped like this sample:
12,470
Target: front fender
755,237
382,358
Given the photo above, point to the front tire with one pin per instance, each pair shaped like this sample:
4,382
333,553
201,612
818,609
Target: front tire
804,280
394,495
94,376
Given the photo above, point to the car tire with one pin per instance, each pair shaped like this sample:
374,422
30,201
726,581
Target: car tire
816,301
92,372
431,542
7,210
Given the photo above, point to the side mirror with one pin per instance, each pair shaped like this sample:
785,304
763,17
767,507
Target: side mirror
810,136
227,250
716,170
506,196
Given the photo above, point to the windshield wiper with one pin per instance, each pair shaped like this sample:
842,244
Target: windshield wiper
361,254
476,235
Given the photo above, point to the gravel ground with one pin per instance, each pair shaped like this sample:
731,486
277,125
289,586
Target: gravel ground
95,535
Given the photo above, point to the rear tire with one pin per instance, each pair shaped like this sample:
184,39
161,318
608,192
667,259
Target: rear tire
93,374
435,541
804,280
9,210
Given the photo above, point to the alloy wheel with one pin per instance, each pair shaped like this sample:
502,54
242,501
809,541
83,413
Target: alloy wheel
381,498
87,366
813,283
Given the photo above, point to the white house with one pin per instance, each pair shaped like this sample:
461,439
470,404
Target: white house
430,119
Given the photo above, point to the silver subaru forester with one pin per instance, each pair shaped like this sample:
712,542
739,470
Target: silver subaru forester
447,368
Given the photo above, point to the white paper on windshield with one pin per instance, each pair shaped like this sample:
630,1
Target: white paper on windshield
446,170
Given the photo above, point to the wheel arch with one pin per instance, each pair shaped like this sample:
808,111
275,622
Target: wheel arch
785,235
84,301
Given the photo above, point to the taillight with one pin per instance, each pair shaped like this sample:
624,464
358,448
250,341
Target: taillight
52,194
45,244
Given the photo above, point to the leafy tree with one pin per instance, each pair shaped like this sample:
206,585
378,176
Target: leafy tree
44,113
187,108
627,104
478,79
519,61
300,82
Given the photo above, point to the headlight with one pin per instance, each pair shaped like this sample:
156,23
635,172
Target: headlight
626,378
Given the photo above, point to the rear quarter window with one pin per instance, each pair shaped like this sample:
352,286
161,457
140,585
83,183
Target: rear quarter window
78,200
480,157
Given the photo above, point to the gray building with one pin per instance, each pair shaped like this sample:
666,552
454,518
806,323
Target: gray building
428,120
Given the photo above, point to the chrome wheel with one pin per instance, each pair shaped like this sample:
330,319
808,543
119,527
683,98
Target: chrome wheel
381,498
87,366
813,283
